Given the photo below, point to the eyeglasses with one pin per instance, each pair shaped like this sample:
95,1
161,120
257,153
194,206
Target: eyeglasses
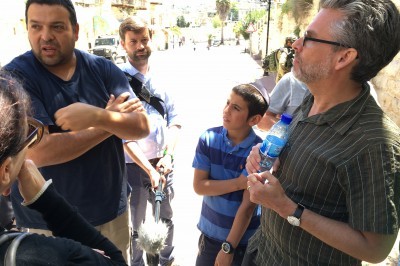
306,38
35,134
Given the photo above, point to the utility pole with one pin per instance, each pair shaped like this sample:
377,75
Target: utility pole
268,19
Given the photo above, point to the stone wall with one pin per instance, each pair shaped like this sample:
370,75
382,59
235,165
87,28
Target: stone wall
387,84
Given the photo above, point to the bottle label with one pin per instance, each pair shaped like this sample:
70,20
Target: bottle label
266,162
272,146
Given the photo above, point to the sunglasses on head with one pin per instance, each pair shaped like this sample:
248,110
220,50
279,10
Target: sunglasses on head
35,133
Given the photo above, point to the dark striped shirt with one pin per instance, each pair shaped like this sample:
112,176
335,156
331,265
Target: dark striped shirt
343,164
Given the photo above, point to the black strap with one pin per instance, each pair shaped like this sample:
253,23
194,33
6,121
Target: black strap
154,101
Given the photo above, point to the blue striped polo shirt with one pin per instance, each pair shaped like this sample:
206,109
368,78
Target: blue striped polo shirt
216,154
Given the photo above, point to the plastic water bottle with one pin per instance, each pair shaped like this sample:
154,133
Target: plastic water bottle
274,142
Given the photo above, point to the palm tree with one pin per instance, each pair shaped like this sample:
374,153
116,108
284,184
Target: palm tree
223,8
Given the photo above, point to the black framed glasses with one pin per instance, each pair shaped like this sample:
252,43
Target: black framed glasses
35,134
306,38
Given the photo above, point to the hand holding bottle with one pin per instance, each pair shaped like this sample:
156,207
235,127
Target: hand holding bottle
271,194
253,161
274,142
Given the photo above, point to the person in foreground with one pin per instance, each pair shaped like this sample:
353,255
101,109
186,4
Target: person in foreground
220,176
334,199
77,242
70,91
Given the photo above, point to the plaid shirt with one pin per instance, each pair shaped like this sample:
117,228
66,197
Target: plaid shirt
342,164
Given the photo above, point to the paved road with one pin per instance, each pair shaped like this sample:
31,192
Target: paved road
201,82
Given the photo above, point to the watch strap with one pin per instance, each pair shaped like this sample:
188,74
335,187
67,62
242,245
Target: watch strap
299,211
231,248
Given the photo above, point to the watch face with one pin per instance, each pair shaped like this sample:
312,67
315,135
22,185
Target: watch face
293,220
226,247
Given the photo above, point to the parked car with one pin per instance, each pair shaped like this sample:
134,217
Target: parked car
216,42
109,47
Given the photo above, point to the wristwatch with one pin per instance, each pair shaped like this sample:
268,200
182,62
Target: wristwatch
227,247
295,218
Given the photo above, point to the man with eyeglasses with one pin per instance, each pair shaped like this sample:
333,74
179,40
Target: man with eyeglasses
333,197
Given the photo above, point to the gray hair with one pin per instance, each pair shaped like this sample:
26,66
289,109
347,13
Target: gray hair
372,27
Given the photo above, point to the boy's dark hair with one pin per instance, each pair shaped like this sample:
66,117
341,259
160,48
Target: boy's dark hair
65,3
135,24
256,103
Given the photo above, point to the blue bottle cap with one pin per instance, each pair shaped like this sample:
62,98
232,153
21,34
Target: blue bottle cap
286,118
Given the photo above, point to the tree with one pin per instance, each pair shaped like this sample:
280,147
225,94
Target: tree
181,22
251,18
234,14
223,8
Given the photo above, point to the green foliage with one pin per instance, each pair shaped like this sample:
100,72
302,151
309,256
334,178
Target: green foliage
286,7
234,15
216,22
297,8
176,30
297,31
181,22
239,29
252,17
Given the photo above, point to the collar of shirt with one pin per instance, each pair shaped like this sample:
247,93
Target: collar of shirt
248,141
127,67
340,117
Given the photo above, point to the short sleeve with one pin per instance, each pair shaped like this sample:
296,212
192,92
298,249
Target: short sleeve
372,185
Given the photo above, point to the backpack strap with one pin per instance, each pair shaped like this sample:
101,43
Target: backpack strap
7,236
137,87
11,253
16,237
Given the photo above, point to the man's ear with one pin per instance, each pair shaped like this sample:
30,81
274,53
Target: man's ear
5,172
76,32
347,57
254,120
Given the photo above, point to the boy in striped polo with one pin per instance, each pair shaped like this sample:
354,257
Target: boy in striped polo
220,176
